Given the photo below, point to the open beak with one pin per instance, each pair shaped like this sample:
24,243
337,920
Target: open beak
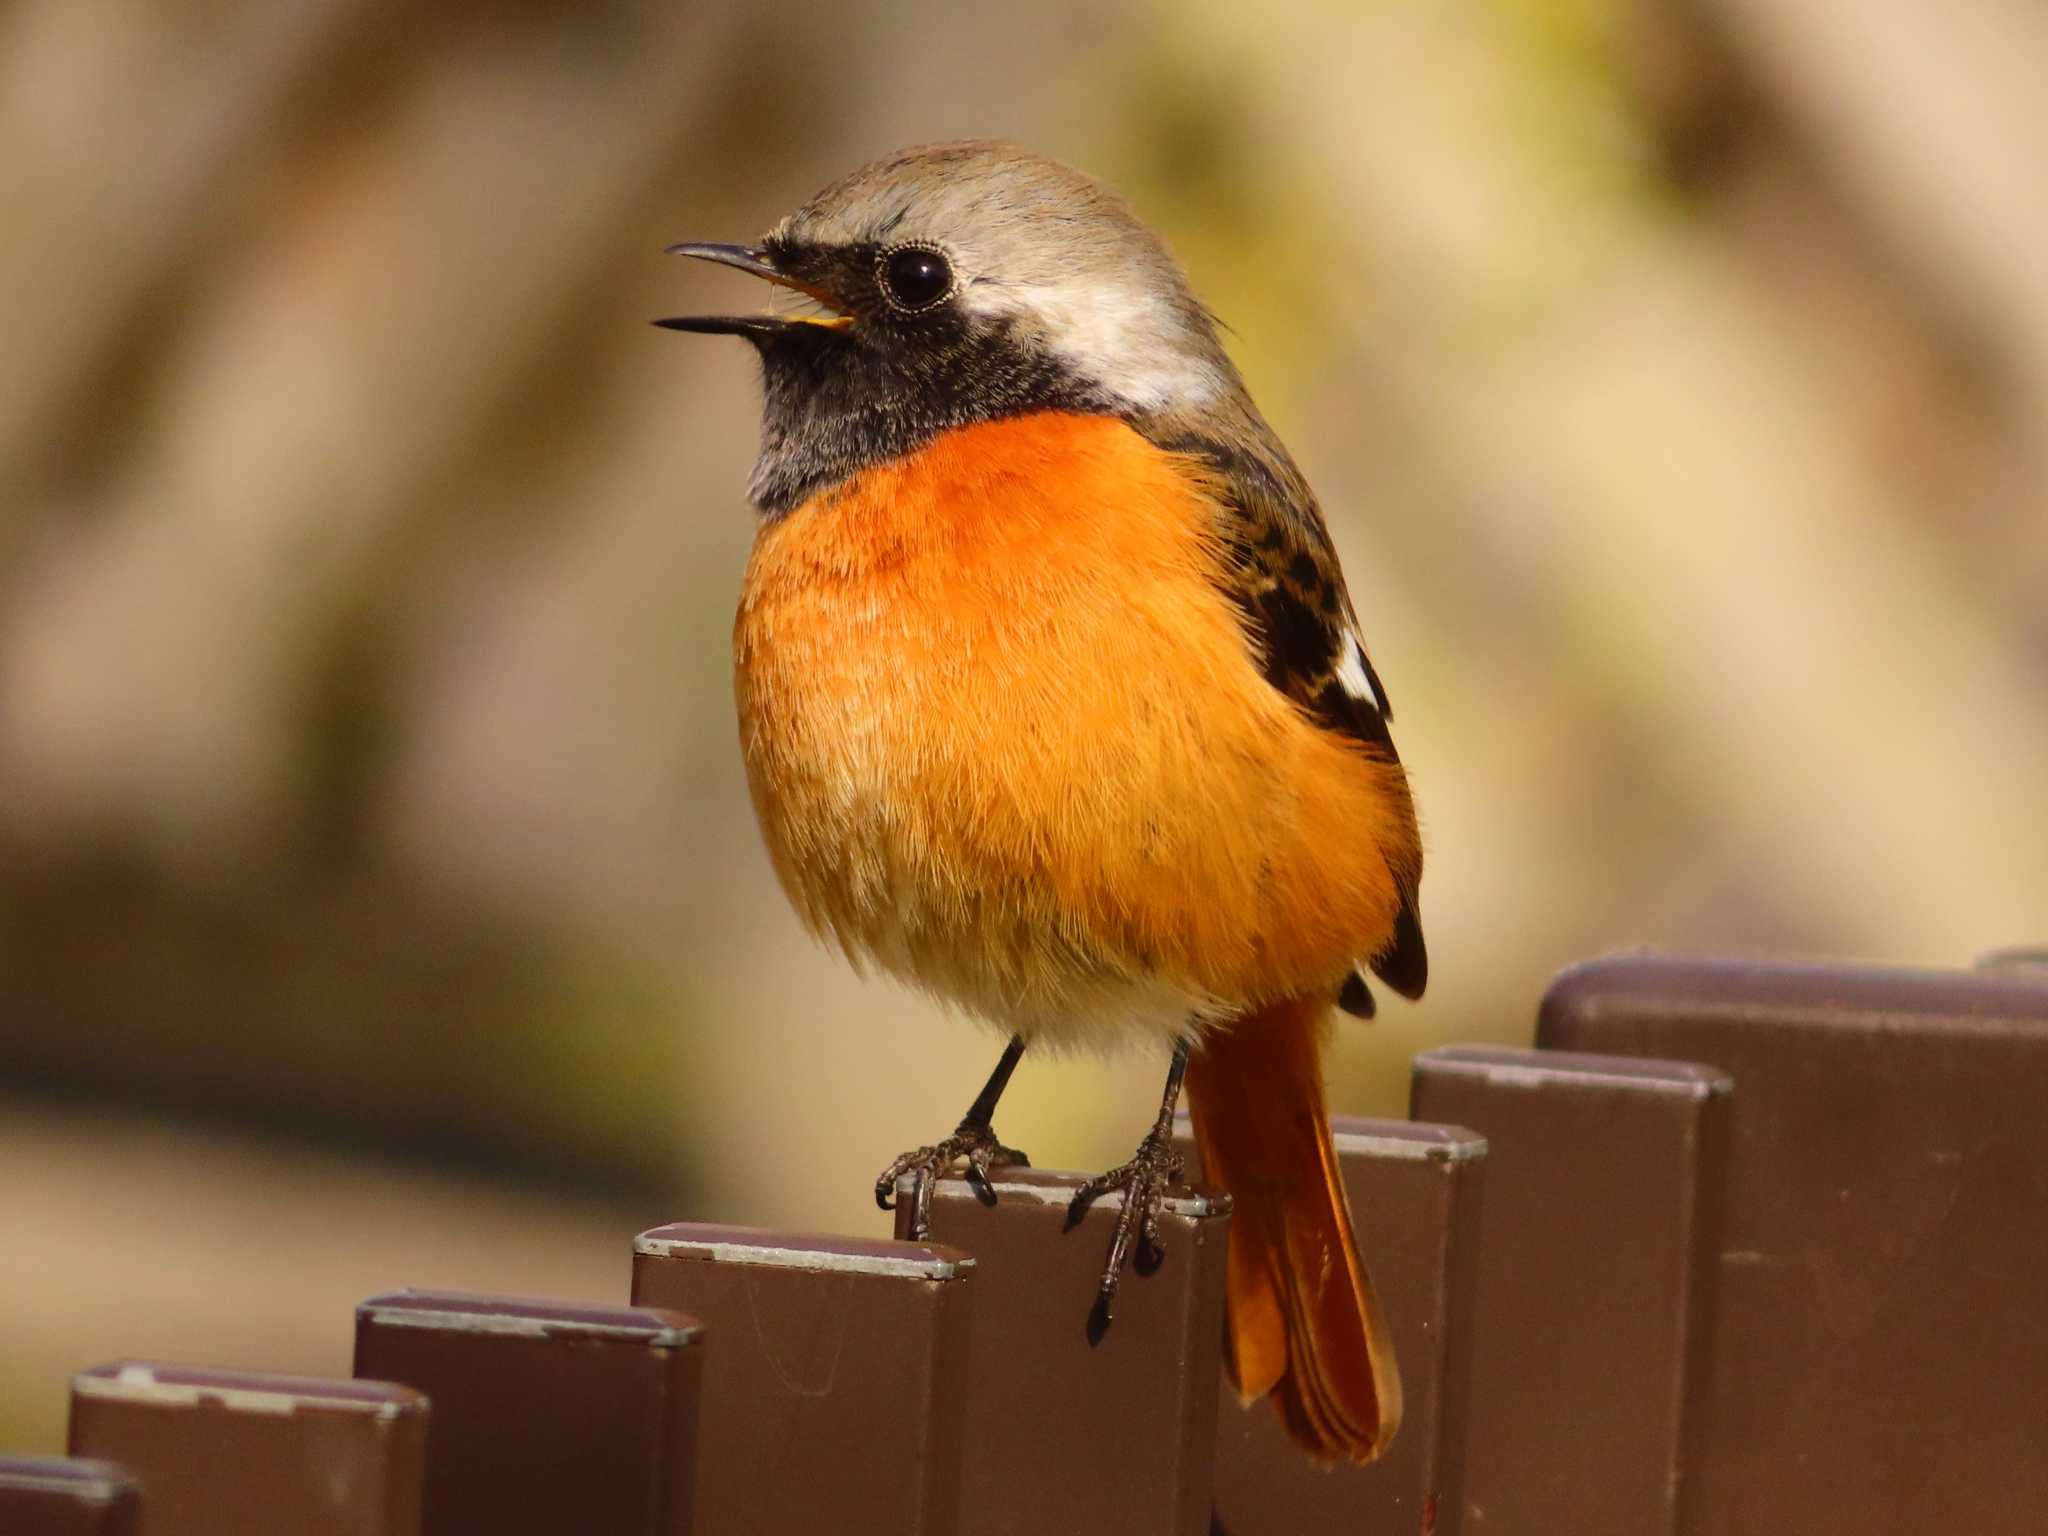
753,259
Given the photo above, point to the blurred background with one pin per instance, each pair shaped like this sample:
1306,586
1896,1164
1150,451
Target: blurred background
379,899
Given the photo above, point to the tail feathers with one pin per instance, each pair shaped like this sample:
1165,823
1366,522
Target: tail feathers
1306,1330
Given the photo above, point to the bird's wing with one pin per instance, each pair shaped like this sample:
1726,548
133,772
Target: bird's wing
1281,571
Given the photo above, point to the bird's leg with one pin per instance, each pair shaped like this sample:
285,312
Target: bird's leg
1143,1181
974,1139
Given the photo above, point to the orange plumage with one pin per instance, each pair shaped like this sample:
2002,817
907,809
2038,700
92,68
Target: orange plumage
1006,739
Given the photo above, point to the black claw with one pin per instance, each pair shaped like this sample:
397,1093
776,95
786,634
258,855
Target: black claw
1077,1208
1143,1182
885,1186
978,1180
975,1143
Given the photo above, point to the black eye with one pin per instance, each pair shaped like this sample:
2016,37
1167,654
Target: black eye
916,277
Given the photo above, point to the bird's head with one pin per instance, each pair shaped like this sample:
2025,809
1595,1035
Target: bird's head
952,284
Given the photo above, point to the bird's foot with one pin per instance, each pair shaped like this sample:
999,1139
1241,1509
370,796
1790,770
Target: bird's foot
1143,1183
973,1141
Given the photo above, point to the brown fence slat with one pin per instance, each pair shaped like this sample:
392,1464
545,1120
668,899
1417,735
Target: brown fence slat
835,1376
1415,1197
548,1416
1067,1436
2024,963
52,1496
1598,1233
1881,1360
247,1453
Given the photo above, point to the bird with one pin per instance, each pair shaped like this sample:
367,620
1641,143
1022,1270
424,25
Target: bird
1054,703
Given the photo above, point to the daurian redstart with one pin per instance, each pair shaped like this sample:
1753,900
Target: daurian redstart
1054,704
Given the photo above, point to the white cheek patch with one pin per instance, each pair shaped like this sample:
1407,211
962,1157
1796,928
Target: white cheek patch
1124,340
1352,676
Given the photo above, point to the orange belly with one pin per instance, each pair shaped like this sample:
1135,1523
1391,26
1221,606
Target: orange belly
1006,740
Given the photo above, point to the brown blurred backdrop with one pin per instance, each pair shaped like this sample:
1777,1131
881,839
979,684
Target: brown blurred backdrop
379,901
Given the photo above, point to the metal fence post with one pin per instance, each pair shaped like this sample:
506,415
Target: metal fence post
2022,963
547,1416
247,1453
1596,1259
1415,1197
52,1496
835,1376
1882,1349
1065,1435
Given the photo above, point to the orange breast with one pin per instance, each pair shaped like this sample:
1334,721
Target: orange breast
1006,739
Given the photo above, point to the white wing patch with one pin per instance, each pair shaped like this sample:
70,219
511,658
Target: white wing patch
1351,674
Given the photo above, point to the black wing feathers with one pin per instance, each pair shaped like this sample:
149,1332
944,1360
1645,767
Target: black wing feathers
1298,618
1404,963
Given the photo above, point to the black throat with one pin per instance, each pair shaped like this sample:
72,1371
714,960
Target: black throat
835,402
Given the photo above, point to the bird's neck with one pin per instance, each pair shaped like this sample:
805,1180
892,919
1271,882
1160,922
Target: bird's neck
833,406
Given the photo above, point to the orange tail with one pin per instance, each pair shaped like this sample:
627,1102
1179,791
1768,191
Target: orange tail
1305,1327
